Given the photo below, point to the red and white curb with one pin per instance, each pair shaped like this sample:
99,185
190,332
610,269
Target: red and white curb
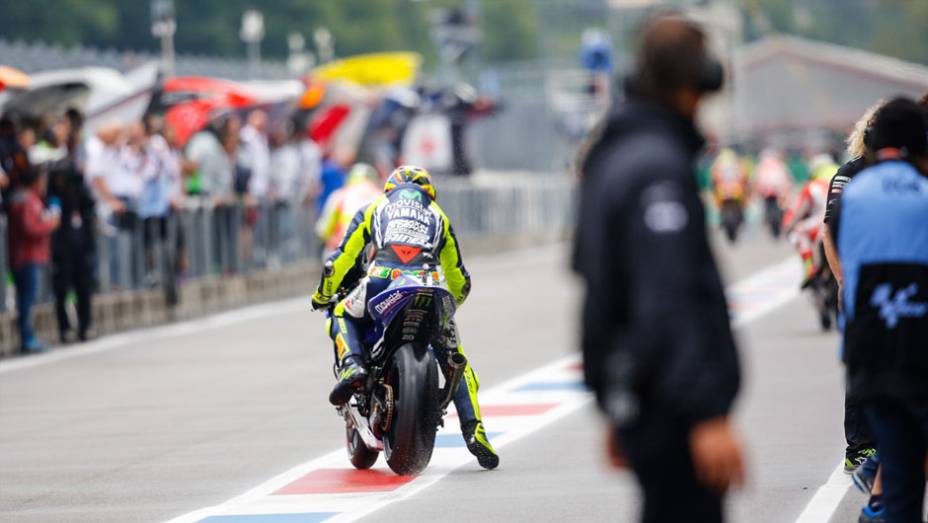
329,489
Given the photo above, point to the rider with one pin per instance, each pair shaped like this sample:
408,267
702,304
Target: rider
404,229
729,177
803,221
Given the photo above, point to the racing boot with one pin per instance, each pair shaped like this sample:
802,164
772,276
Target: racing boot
351,377
477,443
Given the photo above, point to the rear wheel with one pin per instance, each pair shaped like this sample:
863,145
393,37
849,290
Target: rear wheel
731,219
409,443
361,457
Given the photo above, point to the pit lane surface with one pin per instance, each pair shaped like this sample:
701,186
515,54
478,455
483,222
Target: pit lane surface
165,425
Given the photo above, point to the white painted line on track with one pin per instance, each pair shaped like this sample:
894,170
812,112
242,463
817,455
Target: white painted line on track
777,285
351,506
172,330
827,498
764,291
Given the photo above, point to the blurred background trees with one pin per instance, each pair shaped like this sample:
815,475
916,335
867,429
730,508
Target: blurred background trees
510,29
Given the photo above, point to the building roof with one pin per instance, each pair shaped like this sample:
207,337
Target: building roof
786,83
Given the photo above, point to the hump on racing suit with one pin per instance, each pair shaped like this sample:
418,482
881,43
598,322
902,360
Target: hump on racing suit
404,227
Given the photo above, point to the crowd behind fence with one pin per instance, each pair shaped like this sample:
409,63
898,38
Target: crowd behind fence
202,240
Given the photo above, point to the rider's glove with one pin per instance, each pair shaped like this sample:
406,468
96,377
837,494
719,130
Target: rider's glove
320,302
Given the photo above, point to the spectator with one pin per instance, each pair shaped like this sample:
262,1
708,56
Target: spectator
13,157
207,151
882,244
102,157
155,204
54,145
127,180
256,154
214,169
295,166
254,139
30,229
73,246
657,342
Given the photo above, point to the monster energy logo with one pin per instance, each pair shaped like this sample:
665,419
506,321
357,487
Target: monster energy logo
422,300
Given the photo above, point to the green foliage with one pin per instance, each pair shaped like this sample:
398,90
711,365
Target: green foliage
211,27
511,29
891,27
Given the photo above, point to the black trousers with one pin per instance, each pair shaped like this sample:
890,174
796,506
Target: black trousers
901,430
856,433
658,452
73,272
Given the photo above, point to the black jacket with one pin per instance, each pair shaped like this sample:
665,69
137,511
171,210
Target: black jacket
656,330
74,239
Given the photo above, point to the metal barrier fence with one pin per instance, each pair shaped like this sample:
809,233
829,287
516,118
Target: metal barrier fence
203,240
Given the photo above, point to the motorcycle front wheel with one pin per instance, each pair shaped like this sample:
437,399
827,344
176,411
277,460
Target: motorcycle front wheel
410,440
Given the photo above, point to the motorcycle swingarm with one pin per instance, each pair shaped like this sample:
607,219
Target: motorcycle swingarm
360,423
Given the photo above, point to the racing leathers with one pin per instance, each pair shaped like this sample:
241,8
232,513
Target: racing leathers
402,231
803,221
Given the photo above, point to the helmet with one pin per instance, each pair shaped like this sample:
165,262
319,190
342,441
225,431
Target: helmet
410,174
362,172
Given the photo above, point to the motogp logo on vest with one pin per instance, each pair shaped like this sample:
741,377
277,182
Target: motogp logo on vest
893,307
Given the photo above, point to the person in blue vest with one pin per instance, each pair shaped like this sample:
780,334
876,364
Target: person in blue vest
881,232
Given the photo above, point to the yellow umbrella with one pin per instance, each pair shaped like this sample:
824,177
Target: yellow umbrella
10,77
375,69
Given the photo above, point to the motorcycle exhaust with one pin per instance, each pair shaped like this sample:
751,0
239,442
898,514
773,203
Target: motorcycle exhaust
457,362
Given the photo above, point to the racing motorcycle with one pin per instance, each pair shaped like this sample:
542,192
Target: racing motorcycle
823,290
773,215
400,407
731,216
730,199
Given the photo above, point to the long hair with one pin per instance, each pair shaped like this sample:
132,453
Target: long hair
856,143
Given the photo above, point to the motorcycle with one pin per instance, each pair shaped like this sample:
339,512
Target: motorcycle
731,217
823,290
773,215
400,407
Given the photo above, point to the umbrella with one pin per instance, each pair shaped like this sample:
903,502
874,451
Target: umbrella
222,92
89,89
189,117
374,69
14,78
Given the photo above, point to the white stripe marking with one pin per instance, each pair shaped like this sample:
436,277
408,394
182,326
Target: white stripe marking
172,330
827,498
353,506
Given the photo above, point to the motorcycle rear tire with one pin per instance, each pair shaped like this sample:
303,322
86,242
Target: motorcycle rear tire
409,443
362,458
731,217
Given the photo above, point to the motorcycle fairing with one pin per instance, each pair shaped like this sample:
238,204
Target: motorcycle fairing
407,294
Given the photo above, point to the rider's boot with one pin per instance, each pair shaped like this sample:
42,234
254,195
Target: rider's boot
479,445
351,376
475,436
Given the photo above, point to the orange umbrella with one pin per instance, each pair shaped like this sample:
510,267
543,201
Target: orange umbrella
10,77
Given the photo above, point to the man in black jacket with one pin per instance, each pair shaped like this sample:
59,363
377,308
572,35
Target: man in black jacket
657,345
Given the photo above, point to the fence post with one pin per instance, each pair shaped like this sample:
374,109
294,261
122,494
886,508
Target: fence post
4,264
